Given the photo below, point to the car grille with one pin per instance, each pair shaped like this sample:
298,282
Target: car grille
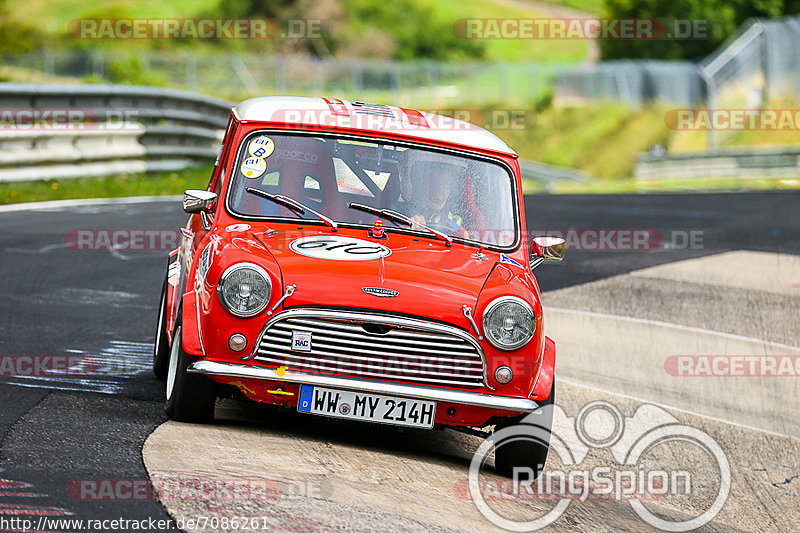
374,347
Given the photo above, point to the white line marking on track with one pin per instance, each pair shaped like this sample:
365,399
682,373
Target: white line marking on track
86,201
670,407
673,326
115,363
41,250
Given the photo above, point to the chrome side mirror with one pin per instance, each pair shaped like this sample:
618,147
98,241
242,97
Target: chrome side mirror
546,249
195,201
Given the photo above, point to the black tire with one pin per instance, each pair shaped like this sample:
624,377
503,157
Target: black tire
530,450
161,348
189,397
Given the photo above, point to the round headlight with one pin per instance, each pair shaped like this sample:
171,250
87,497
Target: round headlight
509,322
244,289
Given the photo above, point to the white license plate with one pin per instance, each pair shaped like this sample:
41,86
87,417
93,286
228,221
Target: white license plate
368,407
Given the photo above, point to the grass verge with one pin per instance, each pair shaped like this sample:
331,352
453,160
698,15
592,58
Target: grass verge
109,187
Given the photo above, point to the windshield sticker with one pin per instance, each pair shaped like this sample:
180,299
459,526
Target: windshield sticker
338,248
261,146
253,167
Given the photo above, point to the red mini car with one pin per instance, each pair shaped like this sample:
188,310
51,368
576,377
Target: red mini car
359,261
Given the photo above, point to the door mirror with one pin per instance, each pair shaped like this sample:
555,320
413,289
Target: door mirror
546,249
195,201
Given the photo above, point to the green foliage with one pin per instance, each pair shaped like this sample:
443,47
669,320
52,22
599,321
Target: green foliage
712,22
601,140
255,8
131,70
417,29
15,37
161,183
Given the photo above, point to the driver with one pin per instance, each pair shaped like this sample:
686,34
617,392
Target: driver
432,184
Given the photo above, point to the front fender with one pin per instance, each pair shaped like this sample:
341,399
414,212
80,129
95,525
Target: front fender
192,341
547,369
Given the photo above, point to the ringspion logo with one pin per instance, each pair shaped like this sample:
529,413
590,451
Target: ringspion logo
631,477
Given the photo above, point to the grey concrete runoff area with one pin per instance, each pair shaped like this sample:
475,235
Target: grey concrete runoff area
354,478
695,337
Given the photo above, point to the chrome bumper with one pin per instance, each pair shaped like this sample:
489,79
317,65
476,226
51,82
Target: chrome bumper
477,399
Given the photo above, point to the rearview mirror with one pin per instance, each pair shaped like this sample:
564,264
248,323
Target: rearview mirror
546,249
195,201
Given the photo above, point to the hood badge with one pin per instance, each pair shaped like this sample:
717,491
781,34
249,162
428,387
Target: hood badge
380,292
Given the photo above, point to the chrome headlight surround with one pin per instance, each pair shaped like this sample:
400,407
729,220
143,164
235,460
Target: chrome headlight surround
524,314
263,295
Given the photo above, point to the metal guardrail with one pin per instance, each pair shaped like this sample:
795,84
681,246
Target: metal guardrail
132,129
113,129
548,175
780,163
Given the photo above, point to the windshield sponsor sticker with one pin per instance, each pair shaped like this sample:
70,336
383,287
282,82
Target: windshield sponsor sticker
253,167
261,146
338,248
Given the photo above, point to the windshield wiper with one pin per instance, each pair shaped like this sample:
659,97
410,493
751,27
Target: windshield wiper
294,205
399,217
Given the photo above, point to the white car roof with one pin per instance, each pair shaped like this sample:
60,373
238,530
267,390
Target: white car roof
331,112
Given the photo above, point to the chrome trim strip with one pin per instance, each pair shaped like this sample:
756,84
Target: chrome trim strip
398,335
352,354
477,399
356,316
362,345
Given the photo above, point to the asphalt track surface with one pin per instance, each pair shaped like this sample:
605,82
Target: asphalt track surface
57,301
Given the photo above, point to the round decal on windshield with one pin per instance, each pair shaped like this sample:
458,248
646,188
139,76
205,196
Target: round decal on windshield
338,248
253,167
261,147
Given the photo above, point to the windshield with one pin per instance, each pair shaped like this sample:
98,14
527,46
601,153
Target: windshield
467,199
